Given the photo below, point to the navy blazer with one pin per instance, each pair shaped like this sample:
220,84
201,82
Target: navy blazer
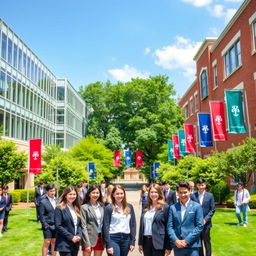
160,237
8,206
46,213
106,225
190,228
37,195
2,203
66,230
171,197
208,206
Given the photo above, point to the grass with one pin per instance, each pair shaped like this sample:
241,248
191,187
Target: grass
229,239
25,238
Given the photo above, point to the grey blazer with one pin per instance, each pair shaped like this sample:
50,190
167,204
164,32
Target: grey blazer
90,225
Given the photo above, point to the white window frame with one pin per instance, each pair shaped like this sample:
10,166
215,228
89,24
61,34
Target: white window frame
204,69
252,22
191,106
196,101
186,113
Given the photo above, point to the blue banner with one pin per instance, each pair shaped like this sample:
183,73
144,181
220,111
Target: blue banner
205,129
91,170
152,173
170,150
128,158
156,167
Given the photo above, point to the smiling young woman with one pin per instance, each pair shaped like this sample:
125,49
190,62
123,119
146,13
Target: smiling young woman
119,224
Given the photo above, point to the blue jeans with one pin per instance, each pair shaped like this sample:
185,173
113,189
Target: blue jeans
120,243
242,208
186,252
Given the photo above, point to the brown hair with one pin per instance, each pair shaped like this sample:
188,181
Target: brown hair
126,209
63,200
160,201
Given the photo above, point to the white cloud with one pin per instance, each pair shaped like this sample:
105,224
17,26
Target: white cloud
178,56
126,73
147,51
198,3
229,14
213,32
217,10
234,1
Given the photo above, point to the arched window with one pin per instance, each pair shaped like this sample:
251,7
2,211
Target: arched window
204,85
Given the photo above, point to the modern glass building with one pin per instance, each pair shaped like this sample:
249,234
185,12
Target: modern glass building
33,102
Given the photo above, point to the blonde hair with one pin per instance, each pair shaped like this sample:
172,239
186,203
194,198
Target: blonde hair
160,201
126,208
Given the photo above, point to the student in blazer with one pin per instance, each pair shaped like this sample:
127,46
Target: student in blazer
68,223
119,224
92,212
46,208
2,210
153,237
206,200
38,196
185,223
8,207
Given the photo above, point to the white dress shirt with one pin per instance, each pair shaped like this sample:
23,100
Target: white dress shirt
98,216
74,216
201,197
52,201
148,220
183,209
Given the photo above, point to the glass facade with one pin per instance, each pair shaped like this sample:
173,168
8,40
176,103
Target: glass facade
31,104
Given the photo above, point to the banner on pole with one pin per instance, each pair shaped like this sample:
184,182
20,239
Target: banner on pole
170,150
117,158
205,129
182,142
91,170
190,138
128,158
218,120
35,156
139,158
235,111
156,167
152,173
176,148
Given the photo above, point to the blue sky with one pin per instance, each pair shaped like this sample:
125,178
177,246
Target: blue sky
99,40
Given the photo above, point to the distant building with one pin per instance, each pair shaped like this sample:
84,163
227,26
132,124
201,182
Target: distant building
34,103
226,62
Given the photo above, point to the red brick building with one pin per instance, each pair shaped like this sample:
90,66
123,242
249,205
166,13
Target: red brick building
228,62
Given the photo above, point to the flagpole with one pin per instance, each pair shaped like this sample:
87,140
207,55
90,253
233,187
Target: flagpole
215,145
28,180
197,142
247,113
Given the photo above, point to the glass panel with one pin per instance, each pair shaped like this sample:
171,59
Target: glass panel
1,122
32,71
4,45
28,68
60,93
20,60
232,59
15,54
227,66
14,90
238,54
24,96
10,51
7,124
2,83
19,96
24,64
13,127
9,88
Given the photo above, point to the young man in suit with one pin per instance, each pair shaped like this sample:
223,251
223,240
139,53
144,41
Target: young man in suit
185,223
169,194
38,196
8,207
46,208
206,199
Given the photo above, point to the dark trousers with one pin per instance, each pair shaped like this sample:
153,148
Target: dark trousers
121,244
73,253
148,248
6,220
37,213
186,252
206,240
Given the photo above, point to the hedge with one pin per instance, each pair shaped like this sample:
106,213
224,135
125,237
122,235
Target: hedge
252,202
20,195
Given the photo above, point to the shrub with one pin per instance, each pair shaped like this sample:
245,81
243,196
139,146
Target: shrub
23,195
15,197
221,192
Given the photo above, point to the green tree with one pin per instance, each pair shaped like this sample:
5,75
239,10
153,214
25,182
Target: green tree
113,140
11,162
51,151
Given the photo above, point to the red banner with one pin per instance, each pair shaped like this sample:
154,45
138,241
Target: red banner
176,147
139,158
117,158
35,156
218,120
190,138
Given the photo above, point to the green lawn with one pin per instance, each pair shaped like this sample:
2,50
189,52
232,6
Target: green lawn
24,237
229,239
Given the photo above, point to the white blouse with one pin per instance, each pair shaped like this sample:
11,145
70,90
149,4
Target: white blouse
74,216
148,220
98,216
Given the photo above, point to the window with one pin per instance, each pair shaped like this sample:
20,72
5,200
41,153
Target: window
4,44
20,60
60,93
9,51
215,77
204,85
60,116
196,101
186,111
254,34
15,51
2,83
191,106
233,58
24,64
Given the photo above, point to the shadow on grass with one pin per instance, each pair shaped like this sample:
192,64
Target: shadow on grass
230,223
32,220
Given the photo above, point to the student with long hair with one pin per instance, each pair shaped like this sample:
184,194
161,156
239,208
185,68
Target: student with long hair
153,237
119,224
92,213
68,223
107,197
143,196
2,210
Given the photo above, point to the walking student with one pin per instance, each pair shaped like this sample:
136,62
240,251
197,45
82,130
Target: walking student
143,196
8,207
153,237
92,213
119,224
2,210
38,196
241,201
68,223
206,199
46,208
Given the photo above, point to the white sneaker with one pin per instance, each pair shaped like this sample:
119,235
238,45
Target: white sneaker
1,235
245,225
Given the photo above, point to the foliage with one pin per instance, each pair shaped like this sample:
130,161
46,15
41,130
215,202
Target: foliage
220,192
143,111
113,140
20,195
70,172
11,162
15,196
51,151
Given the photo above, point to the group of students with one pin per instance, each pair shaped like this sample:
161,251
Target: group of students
5,208
108,222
